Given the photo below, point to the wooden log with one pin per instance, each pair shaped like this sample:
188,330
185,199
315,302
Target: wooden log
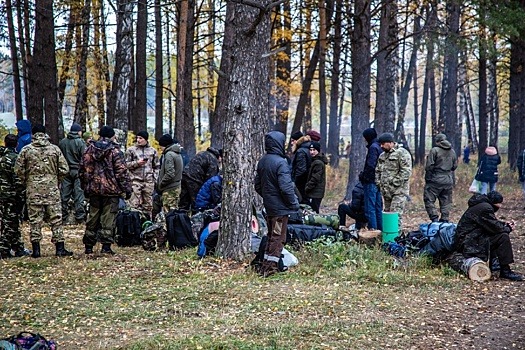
369,237
474,268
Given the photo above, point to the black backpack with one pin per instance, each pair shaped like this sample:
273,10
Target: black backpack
180,234
129,227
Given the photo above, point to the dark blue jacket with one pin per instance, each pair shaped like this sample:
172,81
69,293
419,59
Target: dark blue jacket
368,176
24,134
488,166
273,181
210,193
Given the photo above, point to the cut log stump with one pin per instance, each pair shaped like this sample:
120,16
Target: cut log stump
369,237
474,268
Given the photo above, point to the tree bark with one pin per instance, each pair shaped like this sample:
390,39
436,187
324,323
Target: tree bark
283,70
81,105
159,72
324,19
14,61
516,99
138,122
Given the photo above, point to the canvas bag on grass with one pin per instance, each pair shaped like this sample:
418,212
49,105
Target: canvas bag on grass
475,187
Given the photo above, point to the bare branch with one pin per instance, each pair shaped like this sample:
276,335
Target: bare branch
274,52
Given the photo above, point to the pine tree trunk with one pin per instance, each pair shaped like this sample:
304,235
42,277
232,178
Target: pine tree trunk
81,105
138,122
14,61
159,72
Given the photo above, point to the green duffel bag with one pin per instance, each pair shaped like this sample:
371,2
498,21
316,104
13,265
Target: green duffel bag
330,220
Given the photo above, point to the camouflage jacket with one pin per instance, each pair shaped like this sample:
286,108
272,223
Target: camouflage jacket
393,171
41,166
201,167
10,185
103,171
149,171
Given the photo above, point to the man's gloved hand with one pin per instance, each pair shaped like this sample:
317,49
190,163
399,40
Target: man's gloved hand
128,195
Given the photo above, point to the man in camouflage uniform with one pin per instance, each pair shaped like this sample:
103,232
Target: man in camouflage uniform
73,147
11,198
41,167
439,178
104,178
170,175
393,171
143,164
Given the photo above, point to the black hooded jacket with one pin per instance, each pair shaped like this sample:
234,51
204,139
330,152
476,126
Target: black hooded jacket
273,180
476,226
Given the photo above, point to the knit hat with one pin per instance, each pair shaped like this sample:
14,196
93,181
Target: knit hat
314,135
143,134
315,145
495,197
38,128
75,127
107,131
10,140
296,135
386,137
440,137
87,135
370,134
165,140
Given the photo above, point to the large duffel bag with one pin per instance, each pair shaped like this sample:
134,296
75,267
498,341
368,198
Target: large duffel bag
180,234
307,233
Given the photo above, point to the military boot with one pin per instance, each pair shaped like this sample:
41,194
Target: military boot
508,274
61,251
106,249
89,249
36,250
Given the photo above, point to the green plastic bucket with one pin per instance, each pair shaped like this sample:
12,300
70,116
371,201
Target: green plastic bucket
390,226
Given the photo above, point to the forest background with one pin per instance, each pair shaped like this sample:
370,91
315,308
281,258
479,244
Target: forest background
226,72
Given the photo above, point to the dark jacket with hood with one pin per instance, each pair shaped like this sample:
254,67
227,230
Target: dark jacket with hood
368,176
441,162
170,173
488,166
72,147
210,194
103,171
301,163
24,134
273,181
200,168
315,186
476,226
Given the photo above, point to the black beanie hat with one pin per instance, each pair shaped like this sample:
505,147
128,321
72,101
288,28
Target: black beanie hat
495,197
316,145
165,140
386,137
107,131
370,134
143,134
75,127
296,135
11,140
38,128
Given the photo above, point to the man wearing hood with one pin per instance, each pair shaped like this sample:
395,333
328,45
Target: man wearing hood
480,234
301,162
143,164
73,147
316,183
41,167
104,178
439,179
274,184
200,168
24,134
372,196
170,174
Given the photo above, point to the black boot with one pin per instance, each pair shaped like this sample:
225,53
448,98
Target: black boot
508,274
36,249
106,249
61,251
89,249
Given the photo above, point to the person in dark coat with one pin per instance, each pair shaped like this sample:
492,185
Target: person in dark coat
355,209
373,201
439,179
301,165
316,183
487,172
273,183
24,134
210,194
480,234
200,168
466,154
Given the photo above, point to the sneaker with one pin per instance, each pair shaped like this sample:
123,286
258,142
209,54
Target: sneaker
510,275
22,252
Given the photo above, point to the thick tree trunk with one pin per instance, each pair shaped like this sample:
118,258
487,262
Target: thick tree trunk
138,122
210,55
246,123
159,72
482,89
159,124
81,105
360,89
516,100
493,96
283,70
14,61
323,104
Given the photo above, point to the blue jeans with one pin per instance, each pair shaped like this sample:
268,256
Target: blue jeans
373,206
487,187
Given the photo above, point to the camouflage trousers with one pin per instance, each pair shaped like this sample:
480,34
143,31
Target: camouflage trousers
395,203
50,213
101,221
170,199
71,189
142,196
444,197
10,236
